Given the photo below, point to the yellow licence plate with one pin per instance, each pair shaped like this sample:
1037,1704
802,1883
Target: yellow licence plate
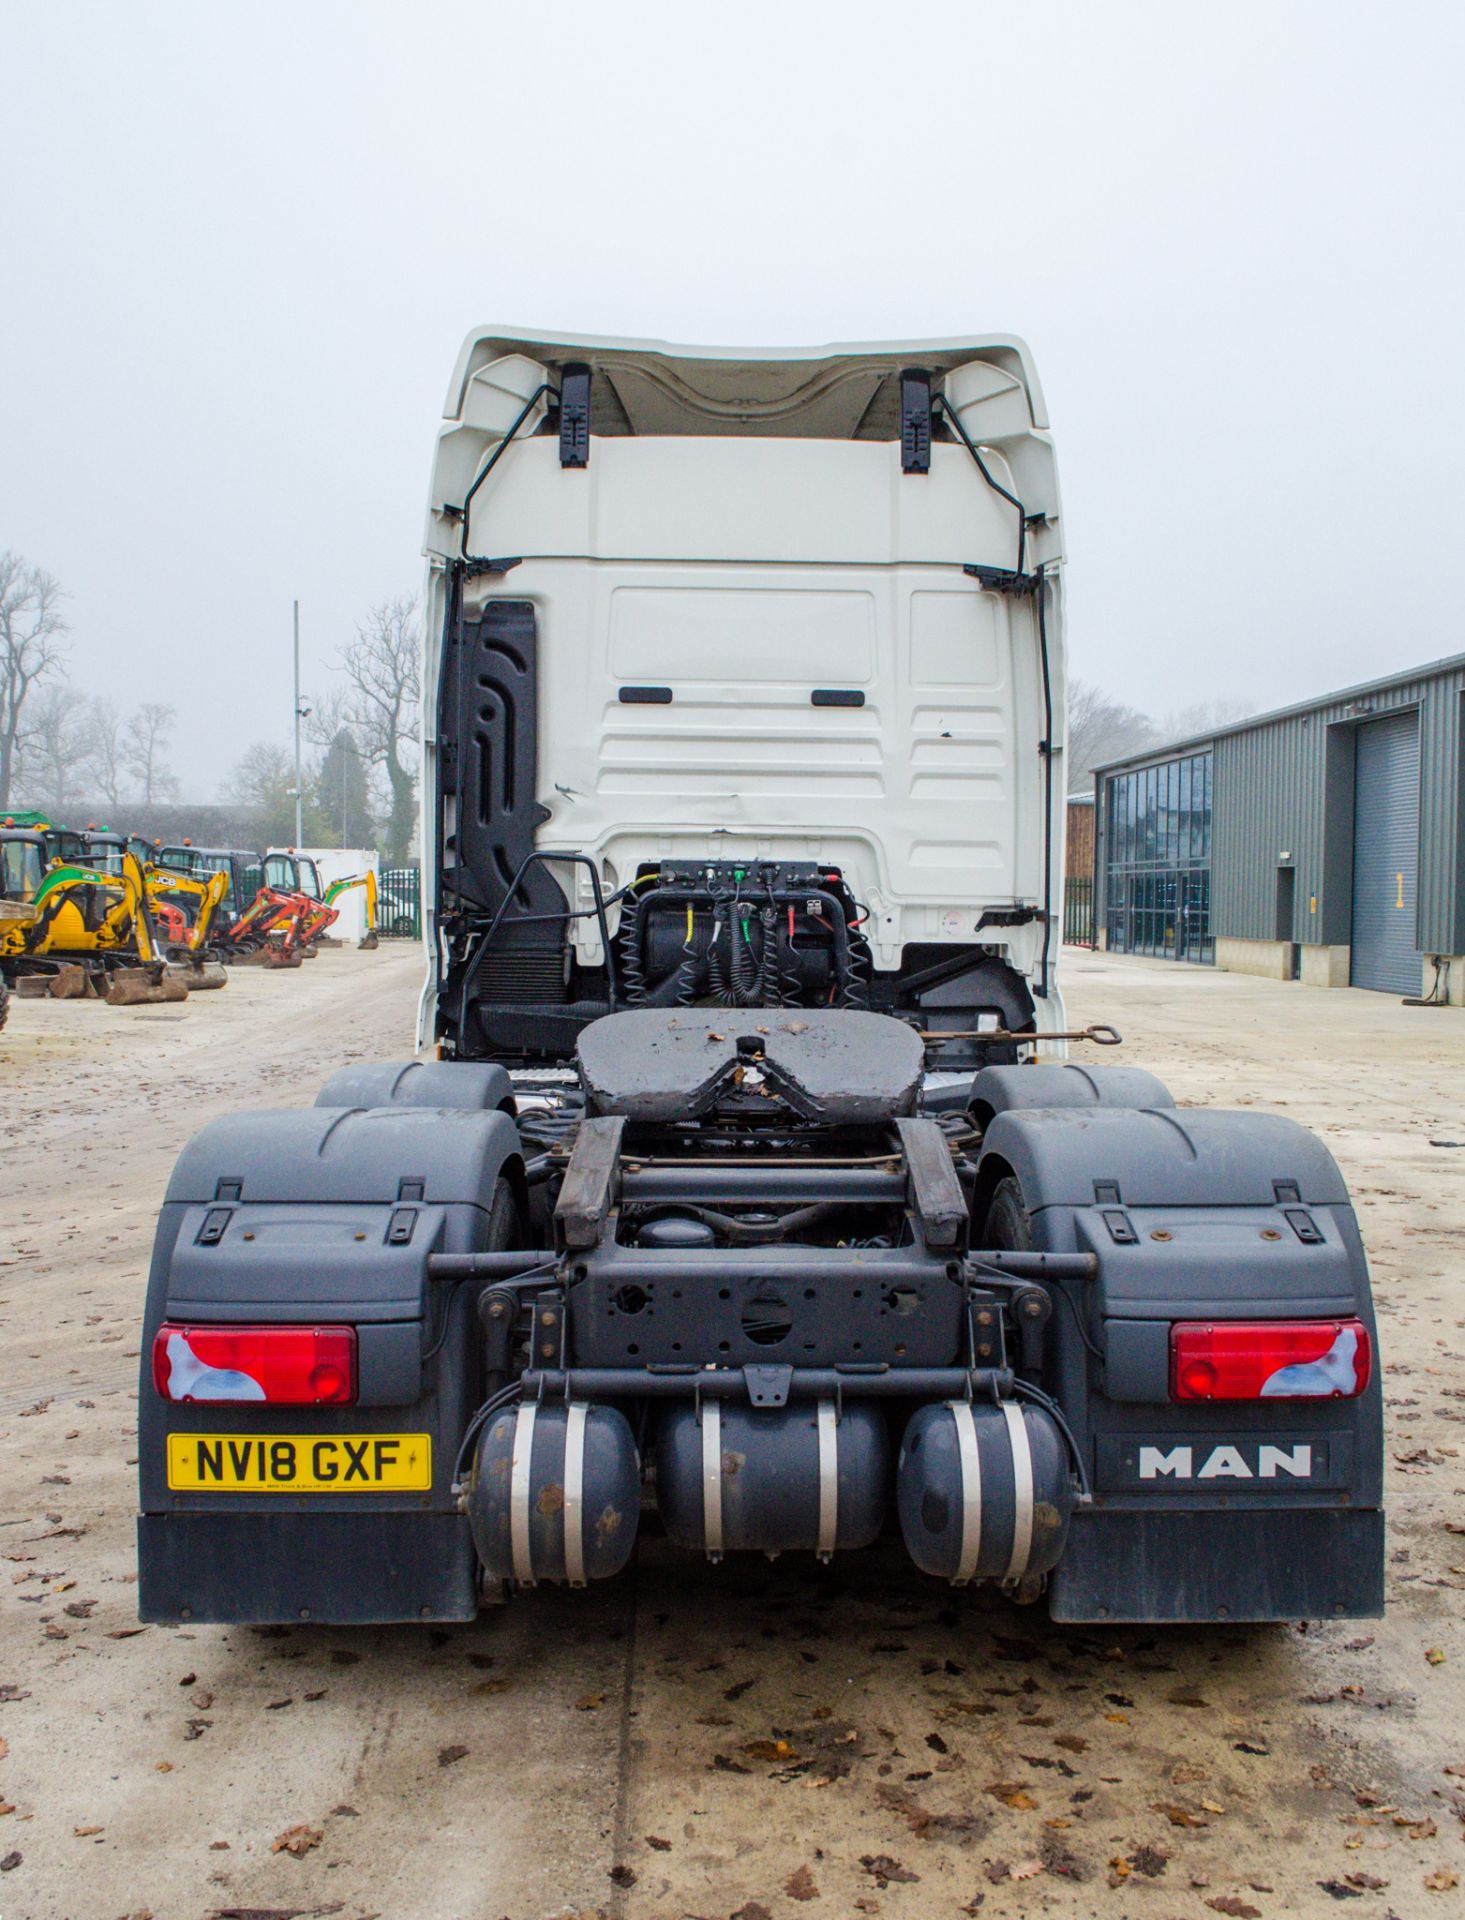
300,1463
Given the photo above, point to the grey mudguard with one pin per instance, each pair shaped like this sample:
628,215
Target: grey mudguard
1243,1510
476,1084
325,1216
1063,1084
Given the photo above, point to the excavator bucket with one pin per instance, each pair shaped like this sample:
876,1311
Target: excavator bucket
73,983
143,987
198,976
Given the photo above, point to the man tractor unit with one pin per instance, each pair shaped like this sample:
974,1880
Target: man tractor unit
742,1189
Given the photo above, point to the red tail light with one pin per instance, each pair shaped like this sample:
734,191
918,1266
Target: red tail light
271,1366
1269,1360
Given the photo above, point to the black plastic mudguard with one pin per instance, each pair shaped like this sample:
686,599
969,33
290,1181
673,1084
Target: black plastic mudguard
1254,1510
326,1216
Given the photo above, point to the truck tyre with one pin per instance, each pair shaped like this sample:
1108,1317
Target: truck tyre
1008,1225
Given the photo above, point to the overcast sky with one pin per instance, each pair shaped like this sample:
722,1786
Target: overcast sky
240,246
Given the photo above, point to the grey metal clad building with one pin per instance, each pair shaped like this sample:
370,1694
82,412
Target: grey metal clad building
1322,842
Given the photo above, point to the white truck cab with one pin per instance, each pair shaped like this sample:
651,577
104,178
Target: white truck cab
789,610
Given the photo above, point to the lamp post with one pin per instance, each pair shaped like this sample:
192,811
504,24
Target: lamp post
299,795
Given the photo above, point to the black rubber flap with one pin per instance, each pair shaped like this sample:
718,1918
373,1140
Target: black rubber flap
1188,1157
664,1064
330,1154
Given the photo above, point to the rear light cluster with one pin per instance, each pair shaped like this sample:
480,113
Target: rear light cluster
1269,1360
272,1366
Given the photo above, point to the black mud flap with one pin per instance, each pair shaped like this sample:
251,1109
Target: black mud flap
1311,1564
269,1568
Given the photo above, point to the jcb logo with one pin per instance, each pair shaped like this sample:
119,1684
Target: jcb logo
1225,1463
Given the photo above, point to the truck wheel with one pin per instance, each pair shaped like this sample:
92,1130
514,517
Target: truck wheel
1008,1225
505,1225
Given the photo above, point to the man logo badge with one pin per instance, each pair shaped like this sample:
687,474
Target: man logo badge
1225,1463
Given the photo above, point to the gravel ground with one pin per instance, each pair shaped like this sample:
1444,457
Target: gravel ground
762,1740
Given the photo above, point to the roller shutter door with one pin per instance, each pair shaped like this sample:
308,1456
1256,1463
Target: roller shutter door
1386,855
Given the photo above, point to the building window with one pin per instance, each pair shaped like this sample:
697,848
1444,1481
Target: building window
1157,860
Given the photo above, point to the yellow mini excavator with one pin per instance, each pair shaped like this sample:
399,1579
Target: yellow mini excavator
77,931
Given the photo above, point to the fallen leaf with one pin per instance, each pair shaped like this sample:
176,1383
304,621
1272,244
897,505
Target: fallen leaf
770,1750
297,1841
125,1633
1179,1816
1120,1719
739,1688
752,1910
655,1840
163,1766
11,1862
800,1885
884,1869
1340,1890
1026,1870
1071,1742
588,1702
449,1756
1233,1904
203,1700
1434,1655
1150,1861
623,1876
1440,1881
85,1833
1011,1793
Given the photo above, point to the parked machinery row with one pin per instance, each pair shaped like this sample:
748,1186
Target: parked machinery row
96,913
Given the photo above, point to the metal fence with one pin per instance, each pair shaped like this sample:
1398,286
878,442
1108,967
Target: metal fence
399,903
1078,910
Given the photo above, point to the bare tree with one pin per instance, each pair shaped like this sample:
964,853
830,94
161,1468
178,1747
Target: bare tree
102,750
383,709
1205,716
264,784
31,649
52,756
144,747
1101,728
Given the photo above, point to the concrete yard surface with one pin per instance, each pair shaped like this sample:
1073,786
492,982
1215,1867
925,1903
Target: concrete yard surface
767,1740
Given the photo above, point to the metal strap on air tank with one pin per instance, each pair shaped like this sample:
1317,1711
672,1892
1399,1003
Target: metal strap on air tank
520,1463
828,1479
971,1492
1022,1485
575,1492
712,1478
